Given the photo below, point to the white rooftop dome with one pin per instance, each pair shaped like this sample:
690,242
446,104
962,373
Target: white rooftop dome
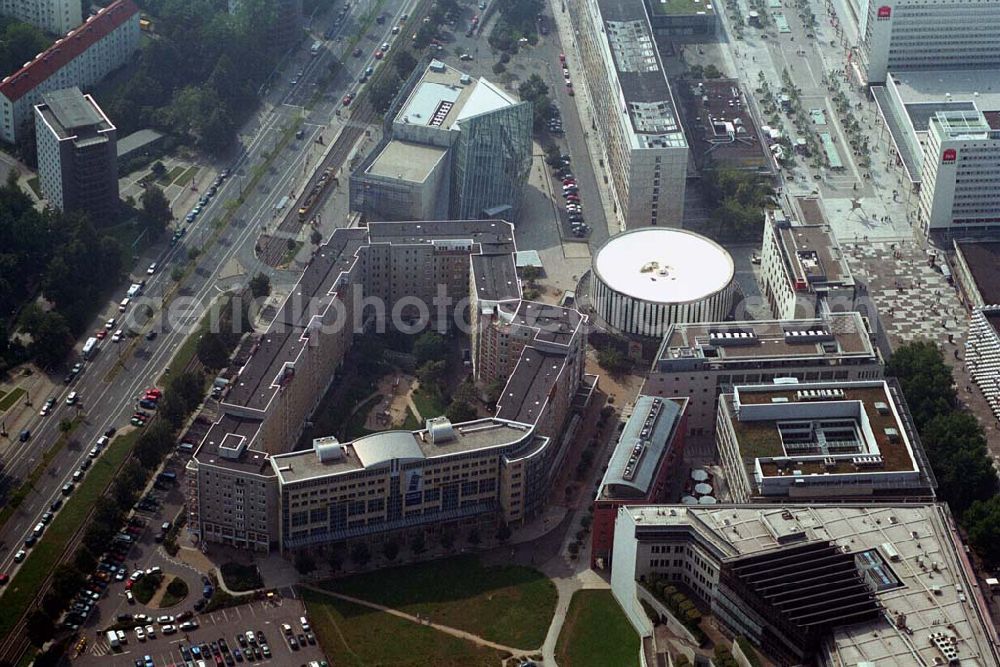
663,265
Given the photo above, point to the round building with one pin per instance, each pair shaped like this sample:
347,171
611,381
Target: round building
646,279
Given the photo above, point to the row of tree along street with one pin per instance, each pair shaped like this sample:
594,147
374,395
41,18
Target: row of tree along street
954,442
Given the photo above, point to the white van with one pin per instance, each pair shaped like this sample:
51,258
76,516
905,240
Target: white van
124,304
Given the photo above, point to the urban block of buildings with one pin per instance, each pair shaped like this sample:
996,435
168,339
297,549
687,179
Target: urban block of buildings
77,154
826,584
646,151
459,148
803,271
724,131
84,56
791,441
702,361
649,447
55,16
897,35
250,490
945,128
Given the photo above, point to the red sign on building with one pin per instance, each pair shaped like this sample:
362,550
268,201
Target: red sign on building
949,155
884,13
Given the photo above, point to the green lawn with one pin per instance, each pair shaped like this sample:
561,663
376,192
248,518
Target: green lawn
169,599
596,633
187,176
428,404
11,398
509,605
42,559
171,175
669,7
354,636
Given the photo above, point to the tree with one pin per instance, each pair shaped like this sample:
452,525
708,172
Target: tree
712,72
474,537
335,560
51,339
612,360
530,274
431,374
460,411
956,449
503,532
384,90
390,549
499,68
404,63
447,538
429,346
925,379
83,560
66,581
304,563
315,237
982,521
260,285
40,627
155,209
360,554
418,544
212,351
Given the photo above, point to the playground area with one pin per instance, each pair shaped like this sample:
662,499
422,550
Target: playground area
392,405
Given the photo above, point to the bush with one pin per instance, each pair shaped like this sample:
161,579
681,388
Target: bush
240,577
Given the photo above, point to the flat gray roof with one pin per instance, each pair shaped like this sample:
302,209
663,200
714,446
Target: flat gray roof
228,426
445,96
407,161
494,236
938,591
137,140
527,389
72,109
496,277
380,449
643,80
978,86
815,255
983,260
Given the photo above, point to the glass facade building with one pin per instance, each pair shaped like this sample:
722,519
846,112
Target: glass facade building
490,163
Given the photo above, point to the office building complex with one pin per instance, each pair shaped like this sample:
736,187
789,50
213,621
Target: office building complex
701,361
901,35
803,271
55,16
945,128
650,445
647,279
77,154
459,148
637,121
825,584
82,58
250,491
826,440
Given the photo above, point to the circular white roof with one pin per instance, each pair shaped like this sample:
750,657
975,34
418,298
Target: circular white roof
663,265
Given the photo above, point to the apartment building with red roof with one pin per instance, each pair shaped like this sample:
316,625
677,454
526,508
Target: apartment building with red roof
84,56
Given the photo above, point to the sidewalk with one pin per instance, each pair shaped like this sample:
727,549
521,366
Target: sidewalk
566,32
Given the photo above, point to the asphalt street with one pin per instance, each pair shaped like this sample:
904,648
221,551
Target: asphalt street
120,371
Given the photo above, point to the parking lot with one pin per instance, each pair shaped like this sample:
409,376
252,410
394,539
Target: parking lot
228,624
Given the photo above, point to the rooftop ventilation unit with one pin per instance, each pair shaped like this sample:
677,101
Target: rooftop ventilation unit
819,394
328,449
465,79
732,338
872,461
440,430
436,66
882,407
891,433
807,335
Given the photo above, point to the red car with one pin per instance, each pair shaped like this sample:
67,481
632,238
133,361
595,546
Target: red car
379,54
4,578
347,99
153,393
128,584
569,89
101,334
562,58
569,181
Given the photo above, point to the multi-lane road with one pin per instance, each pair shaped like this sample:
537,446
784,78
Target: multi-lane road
118,373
